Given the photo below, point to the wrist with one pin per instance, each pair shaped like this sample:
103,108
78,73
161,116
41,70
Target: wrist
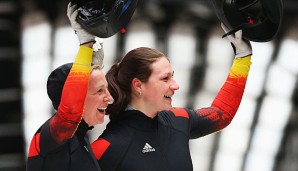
88,44
243,54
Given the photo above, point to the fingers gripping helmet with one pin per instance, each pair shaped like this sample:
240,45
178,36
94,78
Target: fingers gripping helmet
259,19
104,18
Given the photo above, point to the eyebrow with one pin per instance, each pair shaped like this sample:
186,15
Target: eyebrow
100,87
167,73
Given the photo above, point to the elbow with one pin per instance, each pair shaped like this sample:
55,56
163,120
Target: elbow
226,120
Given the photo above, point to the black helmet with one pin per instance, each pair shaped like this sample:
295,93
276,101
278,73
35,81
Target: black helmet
56,82
259,19
104,18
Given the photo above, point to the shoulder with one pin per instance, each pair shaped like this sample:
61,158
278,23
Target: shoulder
174,113
111,146
180,112
176,118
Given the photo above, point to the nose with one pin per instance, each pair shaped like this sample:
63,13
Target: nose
174,85
109,99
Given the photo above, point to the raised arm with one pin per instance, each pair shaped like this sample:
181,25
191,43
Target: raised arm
69,114
225,105
64,124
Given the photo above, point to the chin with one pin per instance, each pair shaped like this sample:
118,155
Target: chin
168,107
100,118
98,121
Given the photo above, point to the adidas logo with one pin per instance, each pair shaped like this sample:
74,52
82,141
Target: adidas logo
147,148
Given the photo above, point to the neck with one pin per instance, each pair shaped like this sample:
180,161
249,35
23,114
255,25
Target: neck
83,128
141,106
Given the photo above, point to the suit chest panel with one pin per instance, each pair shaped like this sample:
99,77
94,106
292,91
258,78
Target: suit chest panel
160,150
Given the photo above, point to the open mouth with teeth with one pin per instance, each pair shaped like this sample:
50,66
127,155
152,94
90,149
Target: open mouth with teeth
168,97
101,109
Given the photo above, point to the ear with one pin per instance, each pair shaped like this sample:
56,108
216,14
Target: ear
136,85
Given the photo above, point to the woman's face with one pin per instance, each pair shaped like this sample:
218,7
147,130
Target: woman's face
158,91
97,98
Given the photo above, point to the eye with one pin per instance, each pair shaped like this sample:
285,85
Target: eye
165,78
100,91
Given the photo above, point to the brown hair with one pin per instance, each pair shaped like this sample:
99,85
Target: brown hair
135,64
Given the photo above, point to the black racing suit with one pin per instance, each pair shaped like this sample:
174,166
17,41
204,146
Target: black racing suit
61,144
135,142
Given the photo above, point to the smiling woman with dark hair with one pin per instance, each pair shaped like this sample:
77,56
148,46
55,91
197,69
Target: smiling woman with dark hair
145,132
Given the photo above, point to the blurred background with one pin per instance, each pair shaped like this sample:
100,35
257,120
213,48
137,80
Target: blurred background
36,37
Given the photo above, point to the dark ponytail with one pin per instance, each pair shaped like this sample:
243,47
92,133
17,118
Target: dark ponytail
121,97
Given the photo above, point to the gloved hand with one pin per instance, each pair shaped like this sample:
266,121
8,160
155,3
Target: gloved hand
242,47
83,36
98,54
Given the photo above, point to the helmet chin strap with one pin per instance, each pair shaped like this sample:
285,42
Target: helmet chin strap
239,27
